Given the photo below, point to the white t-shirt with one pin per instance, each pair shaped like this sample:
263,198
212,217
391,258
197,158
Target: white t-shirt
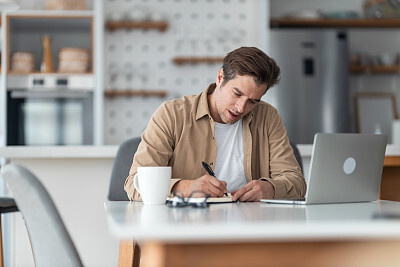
229,163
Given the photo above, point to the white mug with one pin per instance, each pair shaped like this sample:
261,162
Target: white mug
153,184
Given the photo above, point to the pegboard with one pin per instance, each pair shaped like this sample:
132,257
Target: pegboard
137,59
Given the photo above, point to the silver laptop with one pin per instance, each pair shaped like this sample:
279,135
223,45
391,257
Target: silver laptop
344,168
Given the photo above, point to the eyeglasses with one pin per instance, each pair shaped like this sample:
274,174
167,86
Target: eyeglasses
196,199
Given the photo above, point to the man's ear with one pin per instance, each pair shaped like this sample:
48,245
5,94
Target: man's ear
220,77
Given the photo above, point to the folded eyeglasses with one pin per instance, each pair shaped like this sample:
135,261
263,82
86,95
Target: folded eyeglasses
197,199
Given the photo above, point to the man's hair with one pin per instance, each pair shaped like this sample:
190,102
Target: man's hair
253,62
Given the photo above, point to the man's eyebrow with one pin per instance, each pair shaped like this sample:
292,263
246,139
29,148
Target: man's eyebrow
241,93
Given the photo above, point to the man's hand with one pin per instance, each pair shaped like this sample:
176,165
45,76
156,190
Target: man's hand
206,183
254,191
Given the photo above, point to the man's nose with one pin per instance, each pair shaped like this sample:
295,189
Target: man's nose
241,104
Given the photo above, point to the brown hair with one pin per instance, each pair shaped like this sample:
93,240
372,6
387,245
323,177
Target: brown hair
253,62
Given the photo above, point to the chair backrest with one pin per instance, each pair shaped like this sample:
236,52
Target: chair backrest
297,155
51,243
122,164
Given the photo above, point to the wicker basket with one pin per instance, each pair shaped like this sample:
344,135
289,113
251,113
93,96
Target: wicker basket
65,4
22,61
73,59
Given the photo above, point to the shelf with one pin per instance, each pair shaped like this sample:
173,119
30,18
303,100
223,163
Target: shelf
334,23
118,93
38,73
146,25
375,69
51,13
195,60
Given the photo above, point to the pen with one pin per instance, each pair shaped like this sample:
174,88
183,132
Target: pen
210,171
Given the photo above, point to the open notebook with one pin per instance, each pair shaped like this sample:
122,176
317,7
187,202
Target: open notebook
210,200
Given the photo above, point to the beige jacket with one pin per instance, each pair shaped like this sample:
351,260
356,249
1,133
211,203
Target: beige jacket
180,134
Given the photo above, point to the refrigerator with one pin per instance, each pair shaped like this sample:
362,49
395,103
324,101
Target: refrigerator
313,93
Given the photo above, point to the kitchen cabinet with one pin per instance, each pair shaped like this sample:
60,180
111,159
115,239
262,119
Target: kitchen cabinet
80,91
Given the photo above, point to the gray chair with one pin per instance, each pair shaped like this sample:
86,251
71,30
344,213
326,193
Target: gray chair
50,241
122,164
297,155
121,167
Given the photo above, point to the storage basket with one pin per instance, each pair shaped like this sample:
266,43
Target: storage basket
65,4
73,59
22,61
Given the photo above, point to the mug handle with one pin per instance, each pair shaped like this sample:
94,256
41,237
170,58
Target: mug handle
136,182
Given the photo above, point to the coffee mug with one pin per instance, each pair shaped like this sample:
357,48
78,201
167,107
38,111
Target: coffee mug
153,184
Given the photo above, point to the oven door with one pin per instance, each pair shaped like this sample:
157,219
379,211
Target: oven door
61,117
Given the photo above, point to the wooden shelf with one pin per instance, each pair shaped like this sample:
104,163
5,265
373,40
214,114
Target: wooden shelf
334,23
195,60
374,69
146,25
118,93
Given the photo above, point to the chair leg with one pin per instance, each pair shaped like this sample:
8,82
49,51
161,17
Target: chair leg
129,254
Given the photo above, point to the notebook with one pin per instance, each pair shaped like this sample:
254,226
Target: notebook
344,168
210,200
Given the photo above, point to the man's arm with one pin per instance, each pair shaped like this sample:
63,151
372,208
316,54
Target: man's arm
156,149
285,178
285,172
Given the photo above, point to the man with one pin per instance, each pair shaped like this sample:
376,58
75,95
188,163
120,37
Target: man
227,126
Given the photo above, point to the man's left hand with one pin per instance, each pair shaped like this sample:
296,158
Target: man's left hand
254,191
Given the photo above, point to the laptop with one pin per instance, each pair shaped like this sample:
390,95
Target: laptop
344,168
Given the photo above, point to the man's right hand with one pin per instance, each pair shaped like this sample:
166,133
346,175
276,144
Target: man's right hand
206,183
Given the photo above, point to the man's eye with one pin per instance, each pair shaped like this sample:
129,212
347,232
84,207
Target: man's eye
237,94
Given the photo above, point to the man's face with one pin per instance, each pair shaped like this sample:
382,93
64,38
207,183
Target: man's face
235,99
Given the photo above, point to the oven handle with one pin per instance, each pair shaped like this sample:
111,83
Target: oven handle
49,94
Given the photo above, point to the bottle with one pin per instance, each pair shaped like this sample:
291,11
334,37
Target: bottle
47,63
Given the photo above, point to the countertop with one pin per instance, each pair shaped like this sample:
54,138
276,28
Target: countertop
109,151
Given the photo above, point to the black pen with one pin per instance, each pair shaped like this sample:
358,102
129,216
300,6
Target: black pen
210,171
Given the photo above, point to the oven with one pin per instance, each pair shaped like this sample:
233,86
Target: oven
50,109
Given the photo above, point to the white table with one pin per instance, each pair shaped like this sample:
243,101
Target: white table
255,234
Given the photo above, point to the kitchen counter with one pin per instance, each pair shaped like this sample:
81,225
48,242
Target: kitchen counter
110,151
58,152
391,150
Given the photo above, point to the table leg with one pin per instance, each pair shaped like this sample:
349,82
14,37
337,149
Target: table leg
129,254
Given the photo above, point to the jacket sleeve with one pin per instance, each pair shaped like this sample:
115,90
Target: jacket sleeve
285,173
155,149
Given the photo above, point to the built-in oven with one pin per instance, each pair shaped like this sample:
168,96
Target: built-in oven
50,109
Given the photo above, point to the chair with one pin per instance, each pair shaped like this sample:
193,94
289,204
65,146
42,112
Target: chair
6,205
297,155
50,241
120,170
121,167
